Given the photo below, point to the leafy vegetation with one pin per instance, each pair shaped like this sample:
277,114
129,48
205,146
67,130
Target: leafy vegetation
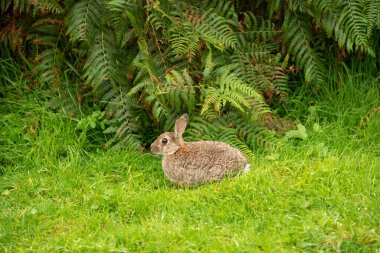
320,193
140,64
293,84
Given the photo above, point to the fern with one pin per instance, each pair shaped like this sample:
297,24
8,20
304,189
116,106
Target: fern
48,66
373,16
252,29
193,27
254,62
124,16
184,42
126,122
83,20
237,129
350,21
274,7
300,6
69,99
163,84
45,37
51,6
224,9
102,64
180,91
251,131
143,63
12,34
298,36
230,136
354,23
16,5
224,87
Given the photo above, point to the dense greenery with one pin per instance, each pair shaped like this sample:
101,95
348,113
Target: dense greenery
129,68
320,194
294,84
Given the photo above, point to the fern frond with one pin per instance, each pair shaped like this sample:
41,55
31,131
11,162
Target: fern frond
48,66
262,70
5,4
274,6
102,63
16,5
48,63
11,34
187,27
68,99
354,23
209,66
216,130
281,83
351,22
45,32
126,124
250,68
251,132
204,128
252,29
84,20
141,86
183,42
51,6
235,128
230,136
223,8
300,6
215,30
126,15
372,11
298,36
180,91
323,7
228,88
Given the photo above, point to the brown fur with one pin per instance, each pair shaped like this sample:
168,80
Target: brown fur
191,163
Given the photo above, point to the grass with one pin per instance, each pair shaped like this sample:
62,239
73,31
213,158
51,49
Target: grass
315,195
121,202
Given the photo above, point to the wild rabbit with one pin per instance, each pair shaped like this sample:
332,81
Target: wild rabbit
194,163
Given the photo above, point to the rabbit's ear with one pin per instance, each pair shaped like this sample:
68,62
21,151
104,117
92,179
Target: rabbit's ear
180,126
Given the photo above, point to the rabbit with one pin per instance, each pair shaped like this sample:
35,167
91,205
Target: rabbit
195,163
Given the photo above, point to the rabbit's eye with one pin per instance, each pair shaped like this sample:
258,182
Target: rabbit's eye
164,140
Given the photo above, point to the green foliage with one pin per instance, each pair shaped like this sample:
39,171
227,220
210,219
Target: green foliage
299,133
143,63
91,122
222,87
168,77
298,38
313,195
83,20
351,23
190,27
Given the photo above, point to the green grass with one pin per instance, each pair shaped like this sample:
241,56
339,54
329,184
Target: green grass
122,202
321,194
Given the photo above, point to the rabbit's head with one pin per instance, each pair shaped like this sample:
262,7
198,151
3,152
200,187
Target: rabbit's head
170,142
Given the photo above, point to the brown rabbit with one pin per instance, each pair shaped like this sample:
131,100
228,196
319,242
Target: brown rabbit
192,163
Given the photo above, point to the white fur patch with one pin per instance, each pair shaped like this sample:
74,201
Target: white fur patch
247,168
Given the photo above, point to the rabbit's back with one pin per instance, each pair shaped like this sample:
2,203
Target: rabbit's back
202,161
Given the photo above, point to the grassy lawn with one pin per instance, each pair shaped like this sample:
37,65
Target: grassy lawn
321,194
107,202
